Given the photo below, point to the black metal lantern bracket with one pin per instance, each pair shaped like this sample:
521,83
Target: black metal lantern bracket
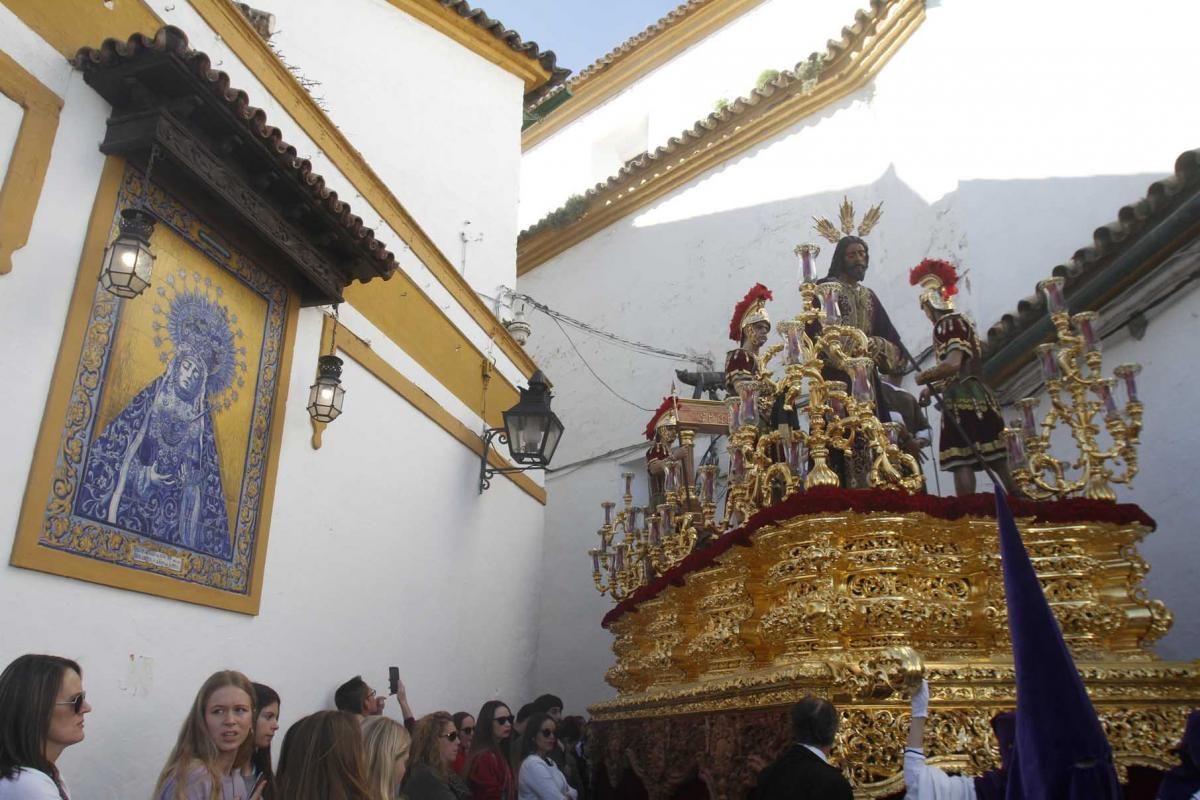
486,473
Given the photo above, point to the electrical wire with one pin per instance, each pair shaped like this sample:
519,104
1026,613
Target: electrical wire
594,375
629,344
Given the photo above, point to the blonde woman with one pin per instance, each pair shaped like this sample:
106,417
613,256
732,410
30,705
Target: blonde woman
386,743
214,744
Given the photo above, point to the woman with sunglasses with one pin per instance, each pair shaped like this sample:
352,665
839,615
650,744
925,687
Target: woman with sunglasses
540,778
260,778
42,706
214,744
464,723
488,773
435,745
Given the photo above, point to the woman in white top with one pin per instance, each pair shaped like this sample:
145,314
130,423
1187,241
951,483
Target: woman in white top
540,777
214,743
42,706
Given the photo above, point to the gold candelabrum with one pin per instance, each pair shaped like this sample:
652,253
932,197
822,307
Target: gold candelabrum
766,463
652,539
839,417
1079,393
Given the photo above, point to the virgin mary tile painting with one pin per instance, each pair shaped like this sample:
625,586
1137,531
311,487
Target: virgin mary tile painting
154,464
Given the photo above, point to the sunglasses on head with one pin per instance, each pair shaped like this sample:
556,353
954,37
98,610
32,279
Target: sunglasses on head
451,736
504,720
468,730
547,732
76,701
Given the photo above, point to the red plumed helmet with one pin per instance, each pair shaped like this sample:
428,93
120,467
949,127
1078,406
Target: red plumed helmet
939,283
665,415
750,310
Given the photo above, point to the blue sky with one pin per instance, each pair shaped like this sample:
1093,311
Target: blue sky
578,31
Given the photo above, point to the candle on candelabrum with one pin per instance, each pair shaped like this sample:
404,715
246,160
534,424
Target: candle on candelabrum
595,554
1085,322
1104,390
734,406
1015,445
748,391
1028,421
795,457
1048,360
608,507
670,484
627,477
808,254
1052,289
860,379
831,305
1128,374
791,331
708,482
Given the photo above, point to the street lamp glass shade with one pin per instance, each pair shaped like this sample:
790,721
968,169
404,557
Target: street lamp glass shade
128,261
326,395
533,429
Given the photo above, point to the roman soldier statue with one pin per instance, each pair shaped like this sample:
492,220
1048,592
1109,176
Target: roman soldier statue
972,428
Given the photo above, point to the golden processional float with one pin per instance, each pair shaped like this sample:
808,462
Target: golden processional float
728,613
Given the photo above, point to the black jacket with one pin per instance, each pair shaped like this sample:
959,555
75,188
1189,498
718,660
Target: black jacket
800,774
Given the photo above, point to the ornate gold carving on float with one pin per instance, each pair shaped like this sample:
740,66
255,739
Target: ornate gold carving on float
829,603
1078,392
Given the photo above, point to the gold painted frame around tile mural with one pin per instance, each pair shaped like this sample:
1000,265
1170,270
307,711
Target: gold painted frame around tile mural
155,464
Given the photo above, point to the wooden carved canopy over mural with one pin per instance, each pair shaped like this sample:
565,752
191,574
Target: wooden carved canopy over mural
209,136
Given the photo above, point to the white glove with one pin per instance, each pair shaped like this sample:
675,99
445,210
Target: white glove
920,701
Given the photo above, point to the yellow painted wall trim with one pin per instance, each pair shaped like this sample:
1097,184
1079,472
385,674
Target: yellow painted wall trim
589,91
401,312
850,71
353,346
448,22
237,33
30,155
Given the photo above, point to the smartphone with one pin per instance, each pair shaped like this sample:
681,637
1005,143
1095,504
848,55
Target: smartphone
393,680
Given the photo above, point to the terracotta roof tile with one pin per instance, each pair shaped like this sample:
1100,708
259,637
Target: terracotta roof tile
513,39
1108,241
171,40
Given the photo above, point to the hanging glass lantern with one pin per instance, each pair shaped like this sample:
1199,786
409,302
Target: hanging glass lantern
128,261
325,396
533,430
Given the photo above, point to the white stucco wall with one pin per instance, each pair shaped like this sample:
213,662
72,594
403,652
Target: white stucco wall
989,142
376,540
440,124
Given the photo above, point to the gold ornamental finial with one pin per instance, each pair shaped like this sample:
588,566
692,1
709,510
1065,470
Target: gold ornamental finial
829,231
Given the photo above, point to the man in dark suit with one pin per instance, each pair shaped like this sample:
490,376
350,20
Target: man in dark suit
804,771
